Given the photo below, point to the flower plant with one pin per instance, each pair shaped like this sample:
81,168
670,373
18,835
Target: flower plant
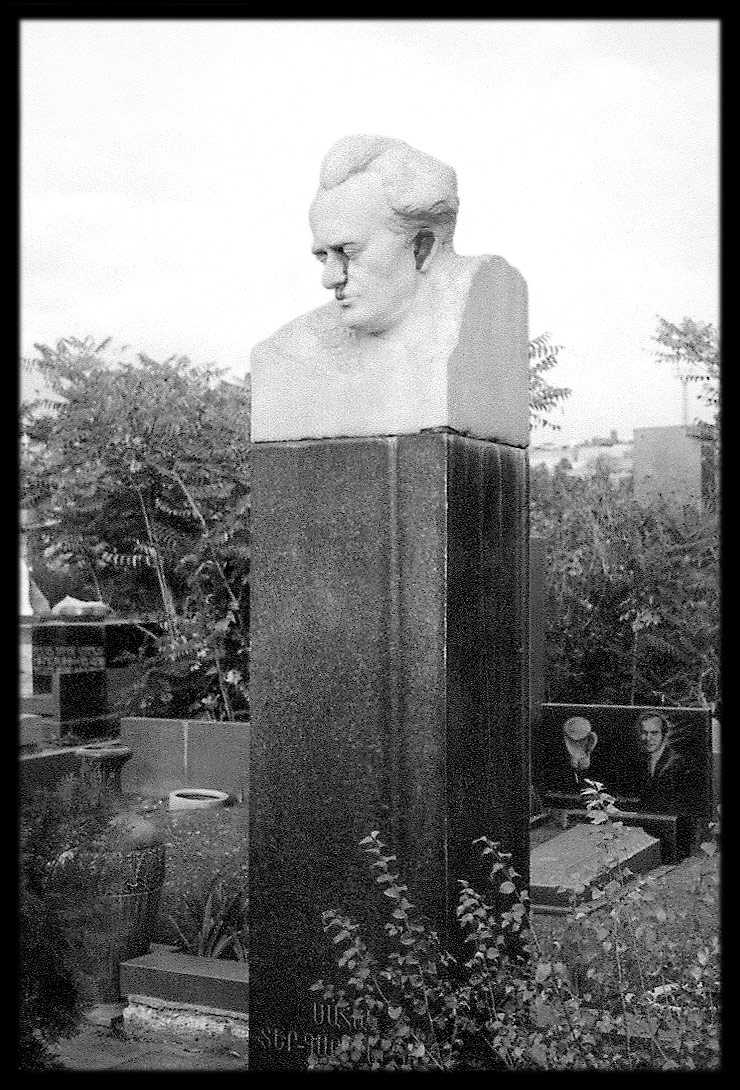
620,993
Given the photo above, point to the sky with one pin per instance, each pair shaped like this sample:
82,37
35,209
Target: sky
167,167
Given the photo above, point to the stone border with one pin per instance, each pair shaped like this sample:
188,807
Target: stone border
208,987
185,1018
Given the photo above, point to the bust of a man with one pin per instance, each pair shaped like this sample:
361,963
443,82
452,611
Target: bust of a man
416,336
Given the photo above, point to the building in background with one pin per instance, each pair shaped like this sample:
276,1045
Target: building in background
676,462
679,462
585,459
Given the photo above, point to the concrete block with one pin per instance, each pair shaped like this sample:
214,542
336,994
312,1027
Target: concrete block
46,768
212,983
585,856
218,755
158,762
664,827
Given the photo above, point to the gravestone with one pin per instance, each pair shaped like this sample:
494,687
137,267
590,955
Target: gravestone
537,654
389,621
537,624
619,761
84,669
69,664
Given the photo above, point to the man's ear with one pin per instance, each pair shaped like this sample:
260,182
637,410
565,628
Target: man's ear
424,245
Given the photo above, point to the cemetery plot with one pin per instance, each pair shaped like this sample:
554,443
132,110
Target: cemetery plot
610,749
577,860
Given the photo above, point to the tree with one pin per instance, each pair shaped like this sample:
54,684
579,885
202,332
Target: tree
633,611
543,397
137,475
692,349
140,479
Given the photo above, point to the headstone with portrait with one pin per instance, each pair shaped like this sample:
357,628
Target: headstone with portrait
655,761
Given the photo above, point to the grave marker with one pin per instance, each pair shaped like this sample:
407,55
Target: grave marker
389,619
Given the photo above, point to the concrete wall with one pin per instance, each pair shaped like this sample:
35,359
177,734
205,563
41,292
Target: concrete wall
173,753
167,754
45,769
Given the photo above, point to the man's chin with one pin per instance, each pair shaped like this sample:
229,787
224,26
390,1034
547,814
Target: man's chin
356,323
350,318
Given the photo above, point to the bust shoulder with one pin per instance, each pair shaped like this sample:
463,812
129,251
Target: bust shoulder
300,340
458,360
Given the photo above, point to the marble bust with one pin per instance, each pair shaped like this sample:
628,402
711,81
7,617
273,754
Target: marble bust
416,336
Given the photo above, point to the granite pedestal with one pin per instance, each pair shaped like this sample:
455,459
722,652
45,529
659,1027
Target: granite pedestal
389,673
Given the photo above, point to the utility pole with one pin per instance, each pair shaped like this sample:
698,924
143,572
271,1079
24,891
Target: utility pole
684,400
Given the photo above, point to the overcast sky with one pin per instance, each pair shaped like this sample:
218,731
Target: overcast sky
167,168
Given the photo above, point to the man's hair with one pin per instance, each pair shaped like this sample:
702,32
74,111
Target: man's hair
665,723
421,191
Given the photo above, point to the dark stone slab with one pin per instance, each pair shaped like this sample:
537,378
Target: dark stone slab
84,668
68,661
66,647
185,978
389,691
576,861
537,616
82,704
619,763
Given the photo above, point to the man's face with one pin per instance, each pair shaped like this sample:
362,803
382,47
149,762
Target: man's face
651,735
367,264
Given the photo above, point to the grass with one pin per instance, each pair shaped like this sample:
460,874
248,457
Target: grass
200,844
203,843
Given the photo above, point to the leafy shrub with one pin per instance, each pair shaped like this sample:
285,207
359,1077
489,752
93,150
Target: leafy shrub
49,1000
620,993
139,482
633,607
79,854
54,826
214,924
199,844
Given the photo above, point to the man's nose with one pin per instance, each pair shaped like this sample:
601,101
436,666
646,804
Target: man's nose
335,271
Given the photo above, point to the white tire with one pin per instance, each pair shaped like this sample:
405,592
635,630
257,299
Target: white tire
196,798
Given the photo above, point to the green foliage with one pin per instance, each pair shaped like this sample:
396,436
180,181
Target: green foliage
631,998
214,924
692,349
543,397
633,593
199,844
49,1000
55,826
137,478
140,480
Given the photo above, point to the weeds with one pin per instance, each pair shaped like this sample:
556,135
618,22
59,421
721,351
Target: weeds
214,923
622,994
